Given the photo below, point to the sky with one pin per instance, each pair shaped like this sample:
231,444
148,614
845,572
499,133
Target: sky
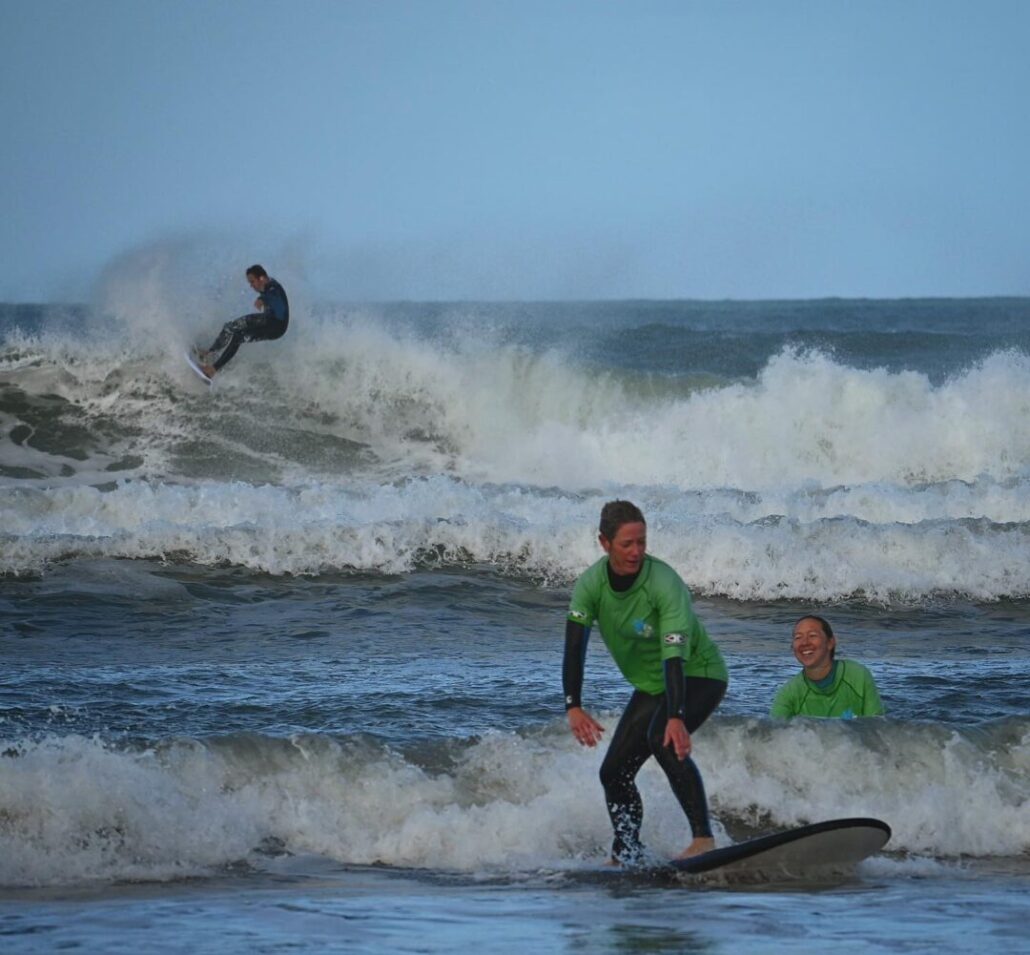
486,149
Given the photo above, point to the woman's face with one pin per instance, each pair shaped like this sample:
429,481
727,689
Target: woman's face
812,648
626,549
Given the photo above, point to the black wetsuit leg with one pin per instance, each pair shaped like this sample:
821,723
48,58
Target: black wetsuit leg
638,736
256,327
703,696
627,752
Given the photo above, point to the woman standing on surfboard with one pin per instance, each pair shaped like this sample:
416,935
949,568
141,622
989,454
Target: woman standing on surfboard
643,610
269,322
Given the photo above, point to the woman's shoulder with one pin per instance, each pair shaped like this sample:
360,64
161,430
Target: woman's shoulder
794,682
659,571
595,573
854,668
860,677
788,696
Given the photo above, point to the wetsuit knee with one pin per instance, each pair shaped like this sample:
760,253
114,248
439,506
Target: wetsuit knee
611,774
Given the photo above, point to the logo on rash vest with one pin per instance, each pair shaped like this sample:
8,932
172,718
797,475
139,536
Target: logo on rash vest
673,639
643,629
578,616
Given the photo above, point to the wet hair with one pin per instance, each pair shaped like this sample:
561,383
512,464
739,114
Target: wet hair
616,513
825,624
257,271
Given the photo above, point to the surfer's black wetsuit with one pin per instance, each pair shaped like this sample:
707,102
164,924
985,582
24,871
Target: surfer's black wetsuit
640,735
261,326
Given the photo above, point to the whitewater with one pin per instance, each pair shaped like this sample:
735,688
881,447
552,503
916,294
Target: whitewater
408,440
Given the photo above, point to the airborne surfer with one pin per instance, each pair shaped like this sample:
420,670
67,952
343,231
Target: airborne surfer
269,322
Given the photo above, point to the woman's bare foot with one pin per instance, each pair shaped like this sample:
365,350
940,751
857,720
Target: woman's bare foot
698,846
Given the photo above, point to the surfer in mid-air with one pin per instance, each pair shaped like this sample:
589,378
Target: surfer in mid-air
644,612
269,322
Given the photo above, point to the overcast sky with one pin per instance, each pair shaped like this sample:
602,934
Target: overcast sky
452,149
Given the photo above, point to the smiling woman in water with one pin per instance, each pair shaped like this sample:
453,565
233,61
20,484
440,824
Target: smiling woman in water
825,686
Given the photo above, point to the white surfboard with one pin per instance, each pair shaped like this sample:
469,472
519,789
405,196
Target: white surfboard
199,371
822,845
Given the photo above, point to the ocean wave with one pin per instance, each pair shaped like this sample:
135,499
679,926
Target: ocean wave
77,809
900,546
470,402
402,445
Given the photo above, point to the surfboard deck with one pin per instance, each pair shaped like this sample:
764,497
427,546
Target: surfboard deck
821,845
192,361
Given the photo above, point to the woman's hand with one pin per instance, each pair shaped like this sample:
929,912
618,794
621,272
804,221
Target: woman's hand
584,727
677,737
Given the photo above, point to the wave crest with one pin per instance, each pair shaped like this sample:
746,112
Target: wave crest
506,802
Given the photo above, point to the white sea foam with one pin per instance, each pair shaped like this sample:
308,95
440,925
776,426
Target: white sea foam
506,414
75,809
720,545
392,445
943,791
490,411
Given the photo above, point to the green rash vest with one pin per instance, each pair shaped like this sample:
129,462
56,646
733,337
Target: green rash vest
647,624
852,692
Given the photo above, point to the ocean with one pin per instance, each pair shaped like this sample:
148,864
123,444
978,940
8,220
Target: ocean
282,656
